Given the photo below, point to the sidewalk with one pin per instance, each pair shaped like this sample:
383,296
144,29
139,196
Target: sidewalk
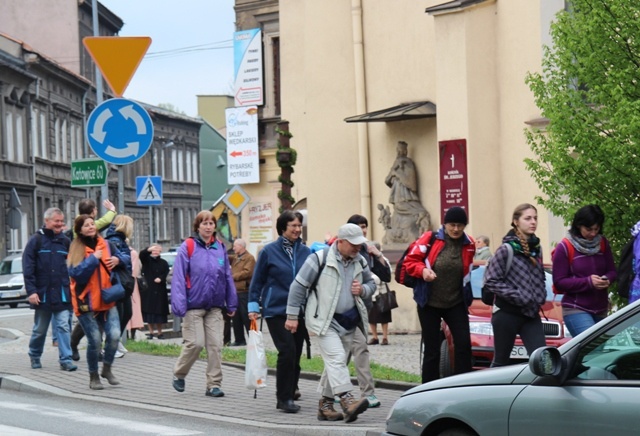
146,382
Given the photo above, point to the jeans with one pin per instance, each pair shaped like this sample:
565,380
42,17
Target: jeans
579,322
41,320
289,348
91,323
505,328
457,319
202,328
54,335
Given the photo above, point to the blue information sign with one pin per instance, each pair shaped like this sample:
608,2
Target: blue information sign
120,131
148,190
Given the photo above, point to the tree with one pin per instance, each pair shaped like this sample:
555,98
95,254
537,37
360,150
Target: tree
170,107
588,90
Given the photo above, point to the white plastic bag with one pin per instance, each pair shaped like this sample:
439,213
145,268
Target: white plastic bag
255,375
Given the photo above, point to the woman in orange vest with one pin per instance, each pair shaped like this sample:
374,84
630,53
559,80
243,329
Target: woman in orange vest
91,259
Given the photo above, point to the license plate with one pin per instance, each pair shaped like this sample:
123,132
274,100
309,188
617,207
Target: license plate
8,294
519,352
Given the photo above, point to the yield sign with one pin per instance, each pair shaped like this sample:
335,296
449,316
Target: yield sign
117,57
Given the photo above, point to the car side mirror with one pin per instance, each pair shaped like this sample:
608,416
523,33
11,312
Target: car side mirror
546,362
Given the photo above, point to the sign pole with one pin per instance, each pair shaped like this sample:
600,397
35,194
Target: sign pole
150,226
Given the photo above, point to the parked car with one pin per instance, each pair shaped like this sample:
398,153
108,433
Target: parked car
588,386
12,290
170,257
482,332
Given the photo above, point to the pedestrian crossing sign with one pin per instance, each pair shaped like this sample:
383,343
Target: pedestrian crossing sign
148,190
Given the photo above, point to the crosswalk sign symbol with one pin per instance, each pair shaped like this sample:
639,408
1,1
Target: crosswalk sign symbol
148,190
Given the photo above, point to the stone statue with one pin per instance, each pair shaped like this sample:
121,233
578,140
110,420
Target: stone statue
409,219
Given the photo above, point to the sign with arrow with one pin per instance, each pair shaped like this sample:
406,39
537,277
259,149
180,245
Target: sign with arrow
247,60
119,131
243,159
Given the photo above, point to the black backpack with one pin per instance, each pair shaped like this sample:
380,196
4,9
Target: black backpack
400,274
626,269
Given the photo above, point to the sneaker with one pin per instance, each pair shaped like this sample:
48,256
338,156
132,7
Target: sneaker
119,354
373,401
122,349
178,384
68,366
35,363
352,407
214,392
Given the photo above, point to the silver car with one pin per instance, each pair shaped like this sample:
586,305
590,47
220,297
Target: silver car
588,386
12,290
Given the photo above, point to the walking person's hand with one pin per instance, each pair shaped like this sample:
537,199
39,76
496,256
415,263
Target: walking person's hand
34,299
253,316
291,325
356,288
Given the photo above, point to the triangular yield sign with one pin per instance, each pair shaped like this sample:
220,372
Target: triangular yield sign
117,57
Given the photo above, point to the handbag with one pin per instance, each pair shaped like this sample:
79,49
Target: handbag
387,301
115,292
255,375
143,285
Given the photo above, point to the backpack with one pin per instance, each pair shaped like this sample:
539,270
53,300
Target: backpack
487,296
626,269
400,274
571,251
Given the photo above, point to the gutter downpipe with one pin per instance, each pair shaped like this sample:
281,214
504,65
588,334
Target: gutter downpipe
361,107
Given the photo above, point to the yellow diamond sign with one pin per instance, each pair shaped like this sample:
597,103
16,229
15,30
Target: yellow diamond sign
236,199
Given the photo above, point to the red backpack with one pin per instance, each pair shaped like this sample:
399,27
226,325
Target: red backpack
571,251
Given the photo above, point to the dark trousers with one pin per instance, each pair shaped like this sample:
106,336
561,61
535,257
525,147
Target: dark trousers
125,312
289,351
226,333
505,328
457,319
241,318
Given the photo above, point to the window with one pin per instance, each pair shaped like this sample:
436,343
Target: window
43,135
181,165
72,142
165,221
63,140
35,147
174,165
56,136
9,127
189,174
79,141
194,165
19,143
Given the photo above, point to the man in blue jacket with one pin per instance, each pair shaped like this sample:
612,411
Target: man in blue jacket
46,279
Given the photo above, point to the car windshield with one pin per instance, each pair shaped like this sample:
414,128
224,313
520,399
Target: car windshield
11,266
476,283
170,257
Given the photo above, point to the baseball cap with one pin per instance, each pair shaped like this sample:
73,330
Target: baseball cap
352,233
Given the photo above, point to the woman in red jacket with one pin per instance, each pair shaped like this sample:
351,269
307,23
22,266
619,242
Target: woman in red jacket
444,263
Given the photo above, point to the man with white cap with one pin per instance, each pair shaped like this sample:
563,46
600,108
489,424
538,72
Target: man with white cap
332,283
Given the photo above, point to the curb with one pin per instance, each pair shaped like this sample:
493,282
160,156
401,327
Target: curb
8,333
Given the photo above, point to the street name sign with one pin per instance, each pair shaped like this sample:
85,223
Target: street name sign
117,57
120,131
89,172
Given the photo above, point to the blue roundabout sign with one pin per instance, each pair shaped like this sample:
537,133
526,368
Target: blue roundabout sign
120,131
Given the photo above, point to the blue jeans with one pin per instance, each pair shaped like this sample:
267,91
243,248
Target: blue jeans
93,323
54,336
41,320
579,322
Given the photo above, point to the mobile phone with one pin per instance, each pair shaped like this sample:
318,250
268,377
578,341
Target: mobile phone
604,278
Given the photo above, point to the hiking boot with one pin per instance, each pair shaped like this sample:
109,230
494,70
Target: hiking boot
68,366
35,363
106,373
178,384
94,381
326,412
352,407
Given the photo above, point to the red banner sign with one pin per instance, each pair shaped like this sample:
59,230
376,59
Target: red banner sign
453,175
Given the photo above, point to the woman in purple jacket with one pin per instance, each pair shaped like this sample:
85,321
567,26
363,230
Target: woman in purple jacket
585,280
201,289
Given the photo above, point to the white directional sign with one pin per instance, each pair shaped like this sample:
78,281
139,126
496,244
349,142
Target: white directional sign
120,131
148,190
247,59
243,160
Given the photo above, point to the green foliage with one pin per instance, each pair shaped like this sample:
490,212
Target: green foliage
238,355
589,92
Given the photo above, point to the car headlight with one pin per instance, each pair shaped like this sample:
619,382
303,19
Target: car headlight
567,333
481,328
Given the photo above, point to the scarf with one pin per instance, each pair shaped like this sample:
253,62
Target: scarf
287,246
585,246
533,242
89,241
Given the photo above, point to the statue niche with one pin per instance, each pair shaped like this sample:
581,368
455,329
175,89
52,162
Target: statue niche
409,218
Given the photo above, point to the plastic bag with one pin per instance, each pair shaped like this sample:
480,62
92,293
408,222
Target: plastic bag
255,375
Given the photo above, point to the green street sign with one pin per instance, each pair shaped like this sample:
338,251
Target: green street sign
89,172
